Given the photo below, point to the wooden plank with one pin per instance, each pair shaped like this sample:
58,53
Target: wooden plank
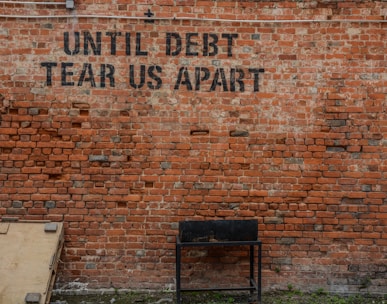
53,267
28,261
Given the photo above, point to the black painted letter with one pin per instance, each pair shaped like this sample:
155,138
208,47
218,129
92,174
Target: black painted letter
142,77
229,42
138,46
179,80
154,77
212,44
87,67
216,81
65,73
190,43
66,38
113,41
239,80
198,79
95,46
109,75
127,44
168,44
256,72
48,66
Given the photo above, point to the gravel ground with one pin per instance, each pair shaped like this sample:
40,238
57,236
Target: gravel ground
287,297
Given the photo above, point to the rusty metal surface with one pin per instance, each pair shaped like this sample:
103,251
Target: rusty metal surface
218,230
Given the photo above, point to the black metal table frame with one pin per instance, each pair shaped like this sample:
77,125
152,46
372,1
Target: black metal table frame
253,284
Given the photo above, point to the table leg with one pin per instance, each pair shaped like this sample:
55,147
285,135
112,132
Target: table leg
178,265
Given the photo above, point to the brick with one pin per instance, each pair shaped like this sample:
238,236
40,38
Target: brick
98,158
302,151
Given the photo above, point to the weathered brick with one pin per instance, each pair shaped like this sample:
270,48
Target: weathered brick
282,122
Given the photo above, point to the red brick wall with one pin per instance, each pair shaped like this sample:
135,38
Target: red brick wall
301,146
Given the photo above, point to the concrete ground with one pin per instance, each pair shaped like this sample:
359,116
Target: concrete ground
284,297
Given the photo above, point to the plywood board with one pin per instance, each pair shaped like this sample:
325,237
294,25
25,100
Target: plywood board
28,261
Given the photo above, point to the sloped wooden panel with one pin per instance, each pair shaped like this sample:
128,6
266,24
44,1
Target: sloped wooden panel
29,254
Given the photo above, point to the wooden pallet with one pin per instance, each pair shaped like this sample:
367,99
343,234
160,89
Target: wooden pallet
29,256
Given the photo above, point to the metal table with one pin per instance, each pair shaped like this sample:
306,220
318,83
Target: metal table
220,233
